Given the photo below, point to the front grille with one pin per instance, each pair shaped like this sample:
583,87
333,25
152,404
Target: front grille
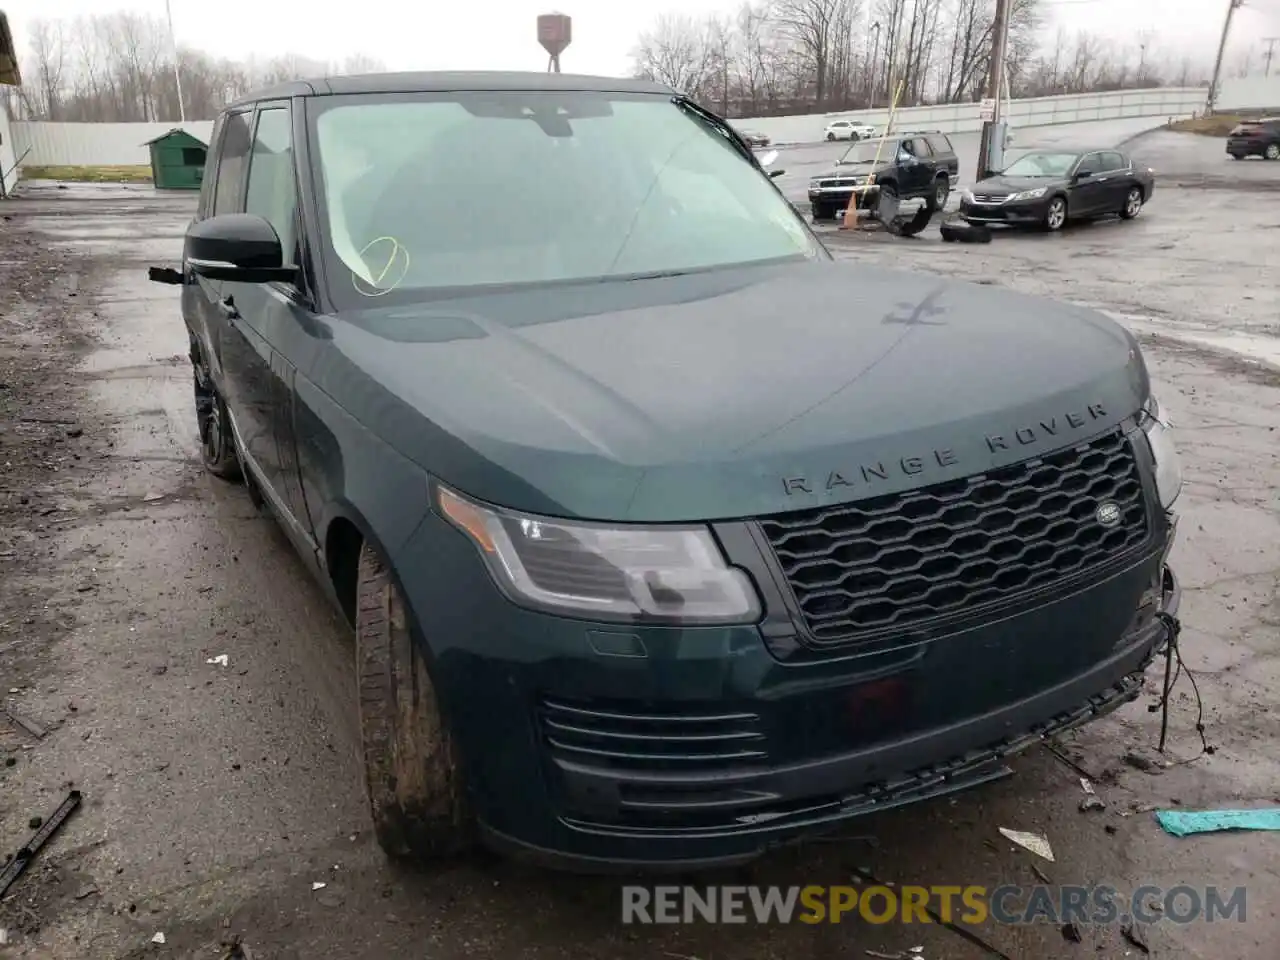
905,560
989,198
635,738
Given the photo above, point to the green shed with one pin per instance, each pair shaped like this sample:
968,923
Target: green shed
177,160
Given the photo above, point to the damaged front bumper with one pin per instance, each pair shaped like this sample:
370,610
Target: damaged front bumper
816,796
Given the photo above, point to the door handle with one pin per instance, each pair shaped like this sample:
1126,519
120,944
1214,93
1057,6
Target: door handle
228,306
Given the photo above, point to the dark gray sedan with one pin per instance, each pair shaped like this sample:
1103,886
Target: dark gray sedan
1046,188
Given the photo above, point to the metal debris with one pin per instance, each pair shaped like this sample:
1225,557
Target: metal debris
23,857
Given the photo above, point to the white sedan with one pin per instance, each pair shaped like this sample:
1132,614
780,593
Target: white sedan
848,130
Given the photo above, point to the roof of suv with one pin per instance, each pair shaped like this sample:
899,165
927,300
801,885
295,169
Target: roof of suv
445,81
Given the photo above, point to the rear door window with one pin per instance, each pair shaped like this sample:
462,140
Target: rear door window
939,143
231,163
272,192
1114,161
919,147
210,164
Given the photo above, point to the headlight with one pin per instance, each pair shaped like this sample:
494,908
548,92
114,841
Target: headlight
1163,452
1035,194
660,573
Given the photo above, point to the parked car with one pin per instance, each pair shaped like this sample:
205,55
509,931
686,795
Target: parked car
755,138
662,538
915,165
1047,188
848,130
1255,138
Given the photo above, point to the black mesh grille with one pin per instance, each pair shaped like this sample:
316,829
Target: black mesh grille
906,559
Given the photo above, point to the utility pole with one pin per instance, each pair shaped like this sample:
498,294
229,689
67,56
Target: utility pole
873,72
1271,46
1232,6
993,128
177,74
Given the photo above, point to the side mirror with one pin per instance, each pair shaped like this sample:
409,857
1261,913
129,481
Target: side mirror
1081,175
774,174
240,247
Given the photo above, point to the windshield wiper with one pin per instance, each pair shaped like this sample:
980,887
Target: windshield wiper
720,126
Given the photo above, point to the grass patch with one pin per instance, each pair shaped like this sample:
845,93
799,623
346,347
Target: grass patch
100,174
1218,125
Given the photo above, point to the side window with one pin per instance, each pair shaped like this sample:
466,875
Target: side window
920,147
231,160
205,206
940,144
907,147
272,193
1114,161
1089,165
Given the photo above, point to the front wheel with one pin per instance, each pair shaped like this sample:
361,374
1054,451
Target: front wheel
1132,204
1055,217
1272,152
417,794
938,199
830,137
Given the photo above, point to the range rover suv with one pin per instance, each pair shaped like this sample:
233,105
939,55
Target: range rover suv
664,537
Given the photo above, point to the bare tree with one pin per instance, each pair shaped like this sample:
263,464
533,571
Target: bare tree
677,52
48,53
118,67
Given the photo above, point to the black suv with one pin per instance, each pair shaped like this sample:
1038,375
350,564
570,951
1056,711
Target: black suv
664,537
1255,138
914,165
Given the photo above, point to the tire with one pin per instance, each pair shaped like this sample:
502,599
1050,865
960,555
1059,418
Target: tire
1132,204
822,212
830,137
417,793
213,424
1055,217
937,201
1272,152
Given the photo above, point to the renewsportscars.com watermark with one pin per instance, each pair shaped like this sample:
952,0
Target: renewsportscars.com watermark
975,905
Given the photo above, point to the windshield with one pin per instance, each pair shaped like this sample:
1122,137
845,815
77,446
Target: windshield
1042,165
424,194
865,151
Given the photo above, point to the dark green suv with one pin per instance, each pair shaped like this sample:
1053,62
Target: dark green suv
915,165
664,537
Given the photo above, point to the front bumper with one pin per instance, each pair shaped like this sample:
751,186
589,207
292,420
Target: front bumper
1023,213
835,198
601,747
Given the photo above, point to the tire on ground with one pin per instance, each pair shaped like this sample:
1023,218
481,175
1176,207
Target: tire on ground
213,423
417,793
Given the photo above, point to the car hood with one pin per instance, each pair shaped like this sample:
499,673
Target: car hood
729,394
1001,186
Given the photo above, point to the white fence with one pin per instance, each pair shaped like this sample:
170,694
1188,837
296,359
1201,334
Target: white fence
95,144
1164,102
1250,93
87,144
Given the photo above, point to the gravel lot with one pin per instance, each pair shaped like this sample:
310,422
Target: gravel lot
217,797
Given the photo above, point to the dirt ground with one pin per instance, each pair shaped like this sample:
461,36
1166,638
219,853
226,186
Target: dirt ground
217,797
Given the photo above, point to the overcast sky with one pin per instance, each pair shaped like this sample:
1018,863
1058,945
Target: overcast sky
500,34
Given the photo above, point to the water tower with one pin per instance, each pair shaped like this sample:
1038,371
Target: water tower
555,30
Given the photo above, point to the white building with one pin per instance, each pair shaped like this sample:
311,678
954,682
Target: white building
10,76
